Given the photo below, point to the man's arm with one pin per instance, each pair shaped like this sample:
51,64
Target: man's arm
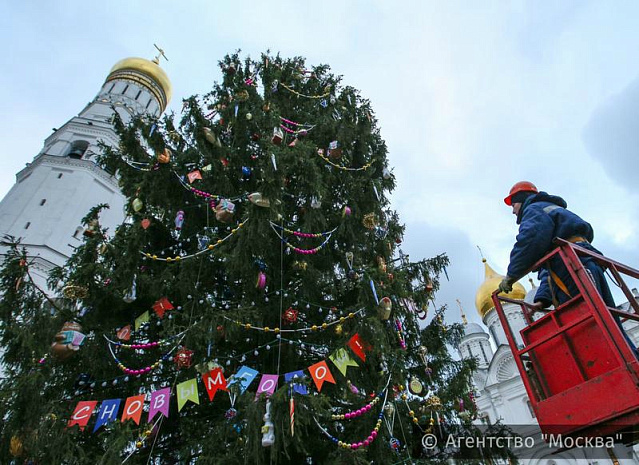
533,241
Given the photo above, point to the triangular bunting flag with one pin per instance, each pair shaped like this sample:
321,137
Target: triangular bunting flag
161,306
133,409
342,360
214,380
159,403
244,377
144,318
108,413
359,346
320,373
187,391
82,413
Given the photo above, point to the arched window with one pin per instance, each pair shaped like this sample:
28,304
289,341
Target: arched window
78,148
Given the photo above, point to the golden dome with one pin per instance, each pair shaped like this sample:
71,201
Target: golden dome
146,73
483,298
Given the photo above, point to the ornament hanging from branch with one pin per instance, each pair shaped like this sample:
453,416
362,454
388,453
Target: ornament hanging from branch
68,340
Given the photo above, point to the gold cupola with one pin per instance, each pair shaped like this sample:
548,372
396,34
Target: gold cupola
483,298
146,73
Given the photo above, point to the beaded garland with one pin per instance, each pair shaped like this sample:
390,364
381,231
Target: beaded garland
356,413
312,251
278,330
210,247
345,168
326,94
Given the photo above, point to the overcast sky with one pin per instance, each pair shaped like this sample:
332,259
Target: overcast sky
471,97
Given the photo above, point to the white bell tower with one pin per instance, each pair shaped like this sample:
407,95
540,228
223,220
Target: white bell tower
57,189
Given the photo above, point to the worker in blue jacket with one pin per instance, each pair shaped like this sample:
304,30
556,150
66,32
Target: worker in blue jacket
542,217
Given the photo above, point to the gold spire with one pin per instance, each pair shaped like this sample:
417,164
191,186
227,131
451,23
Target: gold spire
483,297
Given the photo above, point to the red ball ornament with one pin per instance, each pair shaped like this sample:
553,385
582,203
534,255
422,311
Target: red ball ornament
183,358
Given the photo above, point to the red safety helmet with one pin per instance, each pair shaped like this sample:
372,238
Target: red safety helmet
521,186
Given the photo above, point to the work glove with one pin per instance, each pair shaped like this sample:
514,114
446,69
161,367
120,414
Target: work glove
506,285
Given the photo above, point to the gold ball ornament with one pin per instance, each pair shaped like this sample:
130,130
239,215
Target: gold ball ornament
339,330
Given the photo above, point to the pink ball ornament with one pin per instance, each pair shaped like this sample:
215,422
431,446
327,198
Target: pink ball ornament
347,416
374,434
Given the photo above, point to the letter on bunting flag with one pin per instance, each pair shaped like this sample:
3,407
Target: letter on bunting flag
133,409
359,346
214,380
320,373
342,360
267,385
108,413
187,391
82,413
244,376
159,403
297,387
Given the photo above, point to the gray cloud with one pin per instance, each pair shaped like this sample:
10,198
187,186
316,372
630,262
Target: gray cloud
612,136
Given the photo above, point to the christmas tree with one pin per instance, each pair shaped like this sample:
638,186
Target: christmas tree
254,306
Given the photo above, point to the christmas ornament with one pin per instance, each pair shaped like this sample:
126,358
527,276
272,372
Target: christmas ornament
429,286
249,116
137,204
261,280
67,341
278,135
193,176
92,228
380,232
203,241
415,387
131,295
384,308
389,410
242,95
211,137
300,265
183,358
369,221
124,333
145,223
230,413
246,173
394,444
256,198
338,329
334,150
381,264
268,434
346,211
224,211
165,156
16,449
73,291
386,174
179,220
290,315
266,107
316,202
433,403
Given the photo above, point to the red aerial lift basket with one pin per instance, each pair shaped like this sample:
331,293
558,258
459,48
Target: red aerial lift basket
580,373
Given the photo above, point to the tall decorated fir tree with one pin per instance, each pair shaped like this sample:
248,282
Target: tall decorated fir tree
253,307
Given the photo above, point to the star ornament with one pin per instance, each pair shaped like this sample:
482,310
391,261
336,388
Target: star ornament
183,358
290,315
